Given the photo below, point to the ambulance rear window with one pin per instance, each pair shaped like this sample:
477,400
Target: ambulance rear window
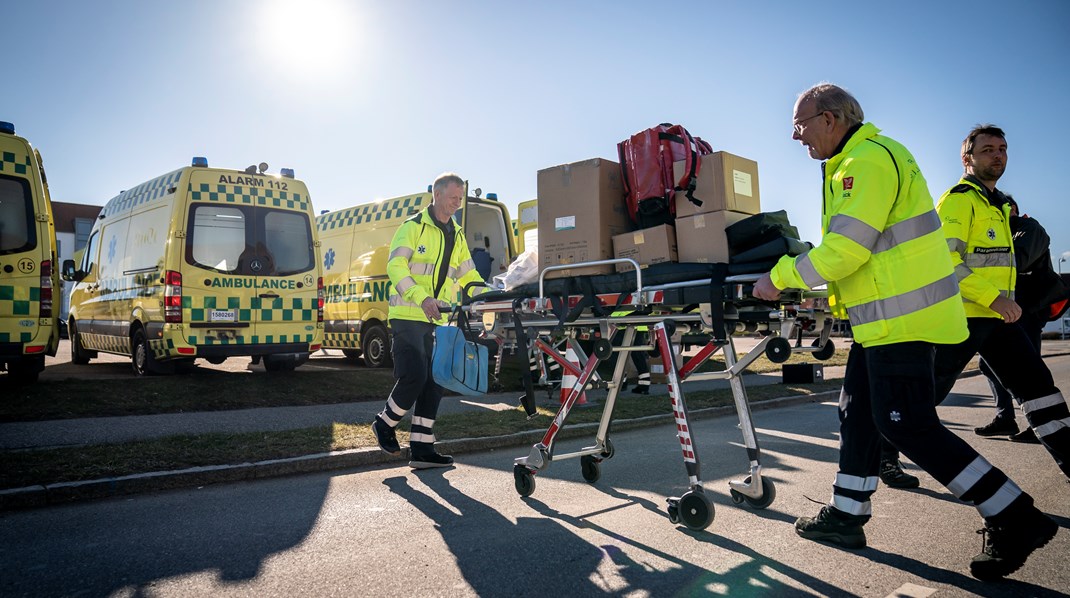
17,232
250,241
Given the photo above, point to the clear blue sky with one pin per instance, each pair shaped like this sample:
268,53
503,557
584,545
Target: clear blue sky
372,99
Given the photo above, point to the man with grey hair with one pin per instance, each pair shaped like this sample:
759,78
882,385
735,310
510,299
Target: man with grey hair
886,264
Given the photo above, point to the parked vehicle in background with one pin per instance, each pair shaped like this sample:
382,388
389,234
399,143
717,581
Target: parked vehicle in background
200,263
355,248
29,325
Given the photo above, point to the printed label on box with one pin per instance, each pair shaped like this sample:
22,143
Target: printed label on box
638,239
565,223
741,183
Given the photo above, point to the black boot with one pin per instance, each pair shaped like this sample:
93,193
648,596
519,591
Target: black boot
1000,426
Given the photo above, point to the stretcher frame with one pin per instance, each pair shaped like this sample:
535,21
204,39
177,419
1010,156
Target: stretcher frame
783,320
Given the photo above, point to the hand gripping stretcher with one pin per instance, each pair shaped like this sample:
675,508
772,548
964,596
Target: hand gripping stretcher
679,299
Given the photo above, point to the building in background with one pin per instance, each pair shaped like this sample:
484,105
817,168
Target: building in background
73,223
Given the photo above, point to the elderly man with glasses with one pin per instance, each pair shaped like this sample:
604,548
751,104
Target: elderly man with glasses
884,258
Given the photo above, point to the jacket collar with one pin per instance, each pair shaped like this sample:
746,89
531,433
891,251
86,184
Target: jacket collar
429,219
854,136
995,197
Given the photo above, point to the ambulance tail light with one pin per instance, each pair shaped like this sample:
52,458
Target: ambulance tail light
172,297
319,299
46,289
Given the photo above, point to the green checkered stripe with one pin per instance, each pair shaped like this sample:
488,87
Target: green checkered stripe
20,300
12,163
17,337
162,348
252,340
238,194
516,228
384,211
296,309
341,340
146,192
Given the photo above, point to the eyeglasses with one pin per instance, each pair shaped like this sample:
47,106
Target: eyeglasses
799,125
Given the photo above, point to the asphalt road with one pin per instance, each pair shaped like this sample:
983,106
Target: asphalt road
389,531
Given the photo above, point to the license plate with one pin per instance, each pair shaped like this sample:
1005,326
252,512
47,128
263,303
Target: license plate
221,315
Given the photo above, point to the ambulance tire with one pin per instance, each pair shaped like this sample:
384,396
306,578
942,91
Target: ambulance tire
375,344
351,354
142,359
79,354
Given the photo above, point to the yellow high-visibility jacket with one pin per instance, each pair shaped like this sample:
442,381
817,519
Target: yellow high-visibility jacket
979,237
882,252
415,263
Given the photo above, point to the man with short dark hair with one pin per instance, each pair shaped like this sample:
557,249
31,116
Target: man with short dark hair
885,261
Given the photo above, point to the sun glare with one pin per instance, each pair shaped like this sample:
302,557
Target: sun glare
311,39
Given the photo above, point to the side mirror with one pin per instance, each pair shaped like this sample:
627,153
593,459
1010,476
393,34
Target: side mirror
70,272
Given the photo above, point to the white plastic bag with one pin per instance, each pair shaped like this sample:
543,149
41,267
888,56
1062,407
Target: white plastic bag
524,269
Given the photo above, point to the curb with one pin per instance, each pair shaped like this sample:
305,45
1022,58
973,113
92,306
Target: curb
66,492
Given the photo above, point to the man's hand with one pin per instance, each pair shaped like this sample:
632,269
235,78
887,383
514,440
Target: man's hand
430,307
765,289
1007,308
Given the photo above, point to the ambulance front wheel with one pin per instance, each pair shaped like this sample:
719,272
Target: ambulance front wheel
375,344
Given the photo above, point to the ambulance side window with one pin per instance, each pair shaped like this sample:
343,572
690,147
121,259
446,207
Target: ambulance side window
89,258
217,237
17,230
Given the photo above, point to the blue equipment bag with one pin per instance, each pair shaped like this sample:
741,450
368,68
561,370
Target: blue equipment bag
459,364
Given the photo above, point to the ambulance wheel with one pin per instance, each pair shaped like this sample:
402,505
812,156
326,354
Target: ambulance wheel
695,509
351,354
523,480
79,354
603,349
767,498
778,350
142,359
215,360
375,344
590,468
826,350
608,450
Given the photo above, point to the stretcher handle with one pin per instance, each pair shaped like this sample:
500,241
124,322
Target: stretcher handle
541,303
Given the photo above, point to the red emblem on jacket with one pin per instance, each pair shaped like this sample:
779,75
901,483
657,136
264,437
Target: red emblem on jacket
848,182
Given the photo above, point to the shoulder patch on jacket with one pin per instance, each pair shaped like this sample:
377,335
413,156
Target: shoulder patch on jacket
960,188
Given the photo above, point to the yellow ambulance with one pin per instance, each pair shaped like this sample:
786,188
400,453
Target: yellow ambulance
200,263
355,245
29,324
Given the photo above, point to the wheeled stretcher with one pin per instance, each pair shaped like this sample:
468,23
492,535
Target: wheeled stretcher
692,301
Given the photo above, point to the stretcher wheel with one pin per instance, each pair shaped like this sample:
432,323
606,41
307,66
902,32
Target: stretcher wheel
674,511
695,510
826,350
768,495
603,349
608,450
778,350
523,480
589,467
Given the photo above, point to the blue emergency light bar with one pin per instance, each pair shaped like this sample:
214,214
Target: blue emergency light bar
287,172
492,196
6,127
200,161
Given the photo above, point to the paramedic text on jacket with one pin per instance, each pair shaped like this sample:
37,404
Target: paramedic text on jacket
885,261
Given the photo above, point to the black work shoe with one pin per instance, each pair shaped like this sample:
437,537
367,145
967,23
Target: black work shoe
1005,549
641,390
1000,426
429,460
386,437
832,525
1026,436
893,476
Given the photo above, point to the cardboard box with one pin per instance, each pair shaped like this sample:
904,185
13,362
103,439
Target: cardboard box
581,207
725,182
648,246
701,238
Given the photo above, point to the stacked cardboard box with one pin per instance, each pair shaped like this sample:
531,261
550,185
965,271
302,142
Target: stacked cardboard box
647,246
727,186
581,207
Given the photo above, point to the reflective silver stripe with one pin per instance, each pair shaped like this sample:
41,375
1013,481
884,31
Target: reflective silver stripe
999,501
907,303
452,273
806,269
908,230
404,284
425,269
405,252
962,271
989,260
1052,427
855,230
393,408
423,421
397,301
420,437
1043,402
851,506
969,476
957,245
853,482
1007,294
464,268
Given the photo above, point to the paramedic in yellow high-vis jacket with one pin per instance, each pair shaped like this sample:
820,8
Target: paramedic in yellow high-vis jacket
429,265
884,259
